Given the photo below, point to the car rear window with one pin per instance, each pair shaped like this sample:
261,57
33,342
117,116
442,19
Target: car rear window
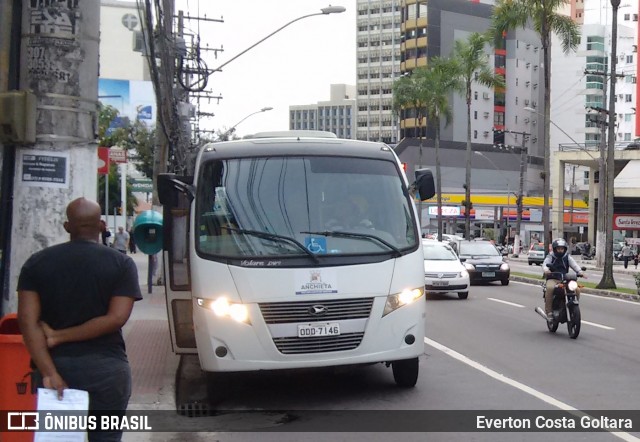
478,248
537,247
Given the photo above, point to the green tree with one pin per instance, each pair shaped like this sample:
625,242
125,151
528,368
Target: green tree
545,19
407,94
122,137
437,82
472,68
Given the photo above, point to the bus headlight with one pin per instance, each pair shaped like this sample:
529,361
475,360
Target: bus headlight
223,308
397,300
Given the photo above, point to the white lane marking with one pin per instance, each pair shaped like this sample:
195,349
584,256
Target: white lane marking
606,327
506,302
610,298
590,295
519,385
594,324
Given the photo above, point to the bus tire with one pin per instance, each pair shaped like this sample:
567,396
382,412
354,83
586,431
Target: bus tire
218,388
405,372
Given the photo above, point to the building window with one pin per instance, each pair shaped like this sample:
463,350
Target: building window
629,58
475,134
627,98
475,115
586,177
627,136
475,95
627,17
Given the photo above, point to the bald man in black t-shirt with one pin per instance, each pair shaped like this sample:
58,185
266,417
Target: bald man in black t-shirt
73,299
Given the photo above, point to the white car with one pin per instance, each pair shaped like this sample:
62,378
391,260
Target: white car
443,271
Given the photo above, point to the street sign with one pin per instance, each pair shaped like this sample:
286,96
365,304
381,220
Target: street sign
142,185
117,155
103,160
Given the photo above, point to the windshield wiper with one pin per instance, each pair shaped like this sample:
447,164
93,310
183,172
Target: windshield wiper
274,237
397,252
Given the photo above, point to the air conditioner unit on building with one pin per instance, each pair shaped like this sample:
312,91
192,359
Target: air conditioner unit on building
534,104
486,114
634,48
485,95
139,43
526,121
527,83
485,133
526,102
534,139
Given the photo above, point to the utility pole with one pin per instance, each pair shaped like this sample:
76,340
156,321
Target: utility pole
519,201
601,119
59,63
607,281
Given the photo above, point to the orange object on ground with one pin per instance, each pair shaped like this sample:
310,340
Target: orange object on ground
18,391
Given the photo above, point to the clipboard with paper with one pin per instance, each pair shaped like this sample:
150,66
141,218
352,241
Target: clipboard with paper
74,401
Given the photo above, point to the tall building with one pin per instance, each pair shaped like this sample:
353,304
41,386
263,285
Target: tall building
378,64
338,115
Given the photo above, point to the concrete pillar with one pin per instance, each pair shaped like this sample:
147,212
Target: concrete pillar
59,62
557,196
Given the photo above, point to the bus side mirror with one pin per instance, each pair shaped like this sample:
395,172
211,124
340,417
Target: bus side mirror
424,184
170,185
147,232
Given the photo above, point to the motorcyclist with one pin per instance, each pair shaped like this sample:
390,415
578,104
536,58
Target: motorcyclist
560,261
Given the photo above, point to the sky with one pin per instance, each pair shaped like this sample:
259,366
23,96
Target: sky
295,66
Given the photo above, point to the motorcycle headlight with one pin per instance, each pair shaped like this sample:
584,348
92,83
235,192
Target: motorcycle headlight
504,266
572,286
397,300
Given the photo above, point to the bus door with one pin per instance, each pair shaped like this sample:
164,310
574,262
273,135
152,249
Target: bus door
176,195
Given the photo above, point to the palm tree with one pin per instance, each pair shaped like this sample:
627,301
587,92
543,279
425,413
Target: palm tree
436,84
473,67
407,91
545,20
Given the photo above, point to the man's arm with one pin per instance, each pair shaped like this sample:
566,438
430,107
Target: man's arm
574,265
545,264
120,308
35,340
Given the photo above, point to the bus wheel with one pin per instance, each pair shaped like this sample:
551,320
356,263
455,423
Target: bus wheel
405,372
218,388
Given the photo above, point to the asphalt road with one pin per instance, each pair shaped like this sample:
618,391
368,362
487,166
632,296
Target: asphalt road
489,352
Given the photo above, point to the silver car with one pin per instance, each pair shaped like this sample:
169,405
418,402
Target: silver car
536,254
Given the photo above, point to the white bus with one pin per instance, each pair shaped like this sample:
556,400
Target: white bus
286,251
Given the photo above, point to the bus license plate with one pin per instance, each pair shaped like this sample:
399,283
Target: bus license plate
488,274
316,330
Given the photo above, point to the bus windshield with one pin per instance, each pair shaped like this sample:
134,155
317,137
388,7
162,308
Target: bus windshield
270,206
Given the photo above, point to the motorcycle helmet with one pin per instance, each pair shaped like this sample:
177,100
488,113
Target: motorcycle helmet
557,245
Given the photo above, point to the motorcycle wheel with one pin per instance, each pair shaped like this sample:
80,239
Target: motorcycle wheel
573,324
552,326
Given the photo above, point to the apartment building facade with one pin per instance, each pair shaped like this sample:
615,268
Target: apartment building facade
337,115
377,66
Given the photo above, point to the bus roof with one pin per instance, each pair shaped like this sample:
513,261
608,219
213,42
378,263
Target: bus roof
296,145
292,133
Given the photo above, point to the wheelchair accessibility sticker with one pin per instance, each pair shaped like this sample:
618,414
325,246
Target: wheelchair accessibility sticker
316,244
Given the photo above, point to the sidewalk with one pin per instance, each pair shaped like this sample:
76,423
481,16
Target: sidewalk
153,364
